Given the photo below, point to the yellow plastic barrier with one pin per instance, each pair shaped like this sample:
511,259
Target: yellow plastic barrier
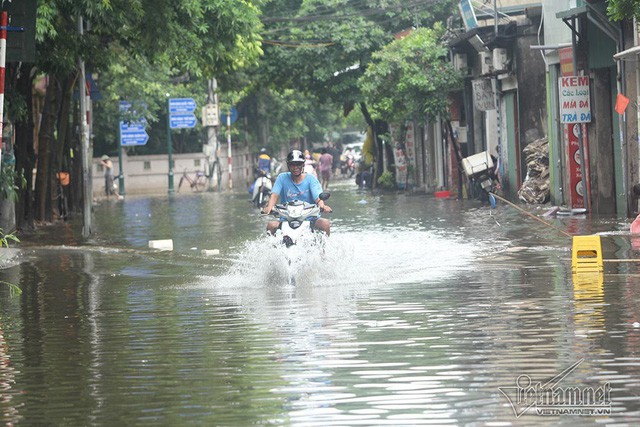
586,254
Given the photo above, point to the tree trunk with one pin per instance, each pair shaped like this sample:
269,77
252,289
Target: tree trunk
64,126
263,121
60,158
24,151
76,193
45,144
376,127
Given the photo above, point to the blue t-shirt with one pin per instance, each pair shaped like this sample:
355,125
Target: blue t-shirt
308,190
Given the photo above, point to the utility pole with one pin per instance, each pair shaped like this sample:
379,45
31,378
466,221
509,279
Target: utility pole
84,139
210,120
496,90
229,155
4,21
169,145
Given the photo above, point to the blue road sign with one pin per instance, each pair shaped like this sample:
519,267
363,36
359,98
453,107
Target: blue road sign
132,127
182,105
233,116
133,134
134,138
125,106
182,120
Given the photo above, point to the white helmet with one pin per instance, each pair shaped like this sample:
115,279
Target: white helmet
295,156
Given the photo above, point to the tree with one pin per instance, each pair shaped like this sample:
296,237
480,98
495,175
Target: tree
623,9
324,46
410,78
187,40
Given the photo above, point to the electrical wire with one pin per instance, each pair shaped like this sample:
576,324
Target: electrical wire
296,44
335,16
331,15
542,52
283,29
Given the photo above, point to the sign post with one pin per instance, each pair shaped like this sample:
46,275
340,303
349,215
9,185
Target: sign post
575,109
180,116
120,171
130,134
4,27
229,150
230,117
3,50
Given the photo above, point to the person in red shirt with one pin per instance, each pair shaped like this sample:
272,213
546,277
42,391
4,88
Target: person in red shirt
326,166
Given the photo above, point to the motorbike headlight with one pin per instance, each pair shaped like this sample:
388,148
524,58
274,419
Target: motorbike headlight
295,211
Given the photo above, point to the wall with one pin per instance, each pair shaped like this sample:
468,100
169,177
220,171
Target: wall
149,174
555,31
601,145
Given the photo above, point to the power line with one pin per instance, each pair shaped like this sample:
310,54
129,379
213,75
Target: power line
419,5
354,4
363,13
296,44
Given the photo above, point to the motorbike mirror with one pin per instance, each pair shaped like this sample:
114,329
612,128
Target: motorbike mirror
324,196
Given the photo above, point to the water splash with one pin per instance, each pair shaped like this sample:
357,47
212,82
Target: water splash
362,258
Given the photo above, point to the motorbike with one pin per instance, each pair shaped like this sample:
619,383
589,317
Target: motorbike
348,167
261,190
295,218
299,241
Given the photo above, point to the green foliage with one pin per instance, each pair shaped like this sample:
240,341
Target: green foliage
355,120
409,78
4,243
164,49
4,239
10,183
294,114
12,288
623,9
322,47
387,181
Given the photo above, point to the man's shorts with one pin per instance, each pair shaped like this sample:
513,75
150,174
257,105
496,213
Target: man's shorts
326,174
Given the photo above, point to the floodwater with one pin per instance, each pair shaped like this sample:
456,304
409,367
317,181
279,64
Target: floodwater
420,311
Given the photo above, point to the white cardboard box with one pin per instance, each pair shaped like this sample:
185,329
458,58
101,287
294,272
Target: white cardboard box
477,163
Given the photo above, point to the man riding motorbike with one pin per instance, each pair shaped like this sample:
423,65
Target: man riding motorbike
297,185
264,163
260,189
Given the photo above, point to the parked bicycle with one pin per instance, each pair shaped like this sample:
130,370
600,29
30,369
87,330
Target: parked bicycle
197,183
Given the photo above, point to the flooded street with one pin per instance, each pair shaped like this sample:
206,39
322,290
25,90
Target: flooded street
419,311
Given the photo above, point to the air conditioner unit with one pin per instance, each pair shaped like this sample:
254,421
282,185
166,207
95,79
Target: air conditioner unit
460,62
500,59
486,62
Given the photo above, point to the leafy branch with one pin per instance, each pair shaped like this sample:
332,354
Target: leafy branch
4,243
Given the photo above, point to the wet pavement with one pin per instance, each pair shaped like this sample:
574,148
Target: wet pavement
419,311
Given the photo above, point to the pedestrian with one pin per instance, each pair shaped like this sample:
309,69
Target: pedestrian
335,153
109,183
309,164
63,194
326,165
